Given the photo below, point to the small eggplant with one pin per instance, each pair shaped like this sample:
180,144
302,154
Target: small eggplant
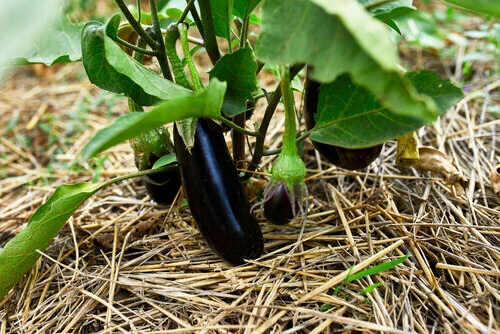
280,207
339,156
215,195
162,187
148,148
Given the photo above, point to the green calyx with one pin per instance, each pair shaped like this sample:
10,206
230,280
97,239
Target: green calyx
289,169
153,143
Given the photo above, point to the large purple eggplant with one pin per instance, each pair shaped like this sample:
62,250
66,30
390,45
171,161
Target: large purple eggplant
339,156
215,195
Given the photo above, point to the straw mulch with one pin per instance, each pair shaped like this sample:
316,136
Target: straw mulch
124,264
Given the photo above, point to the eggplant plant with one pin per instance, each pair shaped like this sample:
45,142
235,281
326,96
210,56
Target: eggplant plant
357,97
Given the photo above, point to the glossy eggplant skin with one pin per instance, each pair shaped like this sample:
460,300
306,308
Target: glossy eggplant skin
162,187
215,195
278,208
339,156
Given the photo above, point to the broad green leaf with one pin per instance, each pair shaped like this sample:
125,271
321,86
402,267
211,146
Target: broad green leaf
377,269
60,44
383,10
238,70
240,7
350,116
422,29
337,36
112,69
222,16
19,254
22,23
488,7
206,104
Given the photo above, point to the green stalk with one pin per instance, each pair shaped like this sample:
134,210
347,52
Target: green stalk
189,5
186,127
136,25
289,144
171,38
161,56
132,46
244,28
209,31
197,84
264,125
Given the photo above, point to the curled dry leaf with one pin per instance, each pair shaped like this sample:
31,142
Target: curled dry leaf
437,162
495,179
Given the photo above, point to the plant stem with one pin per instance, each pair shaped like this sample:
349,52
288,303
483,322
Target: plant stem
138,174
138,55
237,127
138,4
289,145
272,152
264,125
189,6
304,136
197,21
132,46
171,37
161,55
209,31
197,84
244,28
136,25
238,139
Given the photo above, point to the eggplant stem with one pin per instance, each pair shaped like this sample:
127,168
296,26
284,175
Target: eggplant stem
289,137
235,126
197,84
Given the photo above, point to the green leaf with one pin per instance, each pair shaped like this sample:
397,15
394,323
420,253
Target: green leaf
383,10
393,25
350,116
422,29
222,16
337,36
377,269
370,288
326,307
165,160
19,254
206,104
488,7
240,7
112,69
238,70
22,23
60,44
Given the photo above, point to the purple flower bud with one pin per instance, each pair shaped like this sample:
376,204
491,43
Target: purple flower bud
279,205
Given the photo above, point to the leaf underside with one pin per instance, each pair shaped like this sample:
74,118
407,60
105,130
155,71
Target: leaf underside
352,117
